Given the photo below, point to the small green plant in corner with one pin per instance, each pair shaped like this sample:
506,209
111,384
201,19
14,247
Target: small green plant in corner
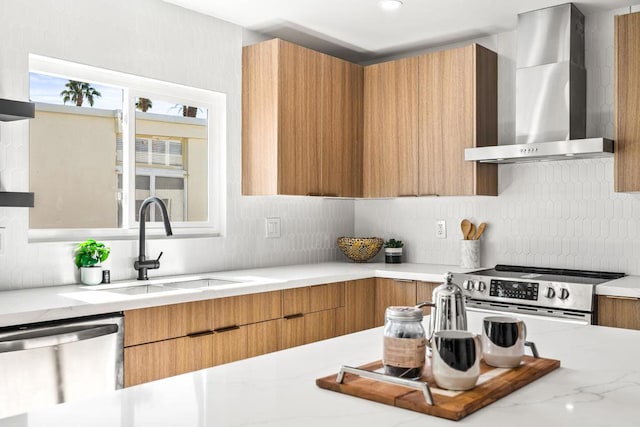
393,243
90,253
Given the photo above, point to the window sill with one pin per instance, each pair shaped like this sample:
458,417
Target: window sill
151,232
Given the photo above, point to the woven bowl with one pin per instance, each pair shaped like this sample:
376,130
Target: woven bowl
360,249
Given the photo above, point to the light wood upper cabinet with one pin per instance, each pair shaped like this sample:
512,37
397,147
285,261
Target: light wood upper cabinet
420,114
301,122
627,103
390,153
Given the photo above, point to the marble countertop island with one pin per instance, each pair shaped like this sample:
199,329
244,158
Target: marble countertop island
598,384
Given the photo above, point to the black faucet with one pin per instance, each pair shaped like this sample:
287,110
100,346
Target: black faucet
142,264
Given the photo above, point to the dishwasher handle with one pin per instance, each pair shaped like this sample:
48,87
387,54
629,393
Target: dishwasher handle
48,337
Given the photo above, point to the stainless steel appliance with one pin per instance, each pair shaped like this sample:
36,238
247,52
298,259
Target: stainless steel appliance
561,294
47,363
551,87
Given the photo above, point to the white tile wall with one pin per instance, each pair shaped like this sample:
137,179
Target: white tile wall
193,49
558,214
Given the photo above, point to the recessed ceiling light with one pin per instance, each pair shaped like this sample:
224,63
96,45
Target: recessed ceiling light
390,4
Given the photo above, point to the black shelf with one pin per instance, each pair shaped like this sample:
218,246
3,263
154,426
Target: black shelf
16,199
11,110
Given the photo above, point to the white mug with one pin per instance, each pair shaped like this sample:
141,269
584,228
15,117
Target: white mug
455,359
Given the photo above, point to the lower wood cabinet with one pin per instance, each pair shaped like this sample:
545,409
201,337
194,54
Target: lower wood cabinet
312,313
359,303
619,312
174,339
157,360
391,292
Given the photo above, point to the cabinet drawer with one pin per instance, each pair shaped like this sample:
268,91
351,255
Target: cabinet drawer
326,297
310,299
154,324
245,309
162,359
264,337
229,345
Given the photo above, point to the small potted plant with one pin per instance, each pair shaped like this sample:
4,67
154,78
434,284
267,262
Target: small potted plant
393,251
88,256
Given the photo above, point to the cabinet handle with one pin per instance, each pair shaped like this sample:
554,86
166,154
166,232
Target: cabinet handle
403,280
226,329
330,195
314,194
200,334
293,316
407,195
627,298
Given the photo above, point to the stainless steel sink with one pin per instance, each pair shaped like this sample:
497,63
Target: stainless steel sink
140,289
202,284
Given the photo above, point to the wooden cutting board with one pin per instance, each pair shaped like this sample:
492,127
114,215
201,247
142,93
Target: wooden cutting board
493,384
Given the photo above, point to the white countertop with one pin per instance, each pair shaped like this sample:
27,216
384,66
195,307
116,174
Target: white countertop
62,302
625,287
598,384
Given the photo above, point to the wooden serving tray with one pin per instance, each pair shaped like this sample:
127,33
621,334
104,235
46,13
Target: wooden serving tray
493,384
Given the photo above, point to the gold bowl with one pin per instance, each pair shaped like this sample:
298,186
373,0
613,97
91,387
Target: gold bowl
360,249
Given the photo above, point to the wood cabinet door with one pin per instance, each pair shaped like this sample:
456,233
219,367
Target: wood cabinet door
324,297
162,359
154,324
390,152
295,301
360,299
447,117
424,292
293,331
264,337
619,312
393,292
341,85
458,110
627,102
320,325
229,345
298,120
245,309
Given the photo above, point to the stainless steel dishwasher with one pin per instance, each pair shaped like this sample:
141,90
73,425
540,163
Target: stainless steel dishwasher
42,364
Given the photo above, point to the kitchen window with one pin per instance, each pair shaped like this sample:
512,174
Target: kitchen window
103,141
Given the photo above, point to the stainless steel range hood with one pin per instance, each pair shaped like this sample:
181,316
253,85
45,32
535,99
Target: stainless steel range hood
551,107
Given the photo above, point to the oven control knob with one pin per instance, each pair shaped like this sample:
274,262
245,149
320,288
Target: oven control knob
468,285
482,286
564,293
550,293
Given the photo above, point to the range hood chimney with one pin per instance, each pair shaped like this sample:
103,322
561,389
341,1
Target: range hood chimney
551,104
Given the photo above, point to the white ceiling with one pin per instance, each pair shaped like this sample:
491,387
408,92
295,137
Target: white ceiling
359,30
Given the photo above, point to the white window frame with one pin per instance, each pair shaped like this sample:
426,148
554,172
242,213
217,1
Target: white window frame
134,87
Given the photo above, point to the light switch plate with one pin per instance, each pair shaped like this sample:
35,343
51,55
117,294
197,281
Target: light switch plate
441,229
273,228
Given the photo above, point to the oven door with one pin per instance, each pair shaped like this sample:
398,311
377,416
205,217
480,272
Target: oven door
496,308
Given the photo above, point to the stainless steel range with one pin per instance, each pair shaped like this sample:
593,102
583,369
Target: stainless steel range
557,293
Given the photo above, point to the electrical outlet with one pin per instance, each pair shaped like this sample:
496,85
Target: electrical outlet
273,228
441,229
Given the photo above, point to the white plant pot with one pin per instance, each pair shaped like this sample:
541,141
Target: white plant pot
91,275
393,255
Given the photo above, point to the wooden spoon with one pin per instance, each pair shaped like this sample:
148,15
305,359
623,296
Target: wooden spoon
465,225
472,232
481,228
